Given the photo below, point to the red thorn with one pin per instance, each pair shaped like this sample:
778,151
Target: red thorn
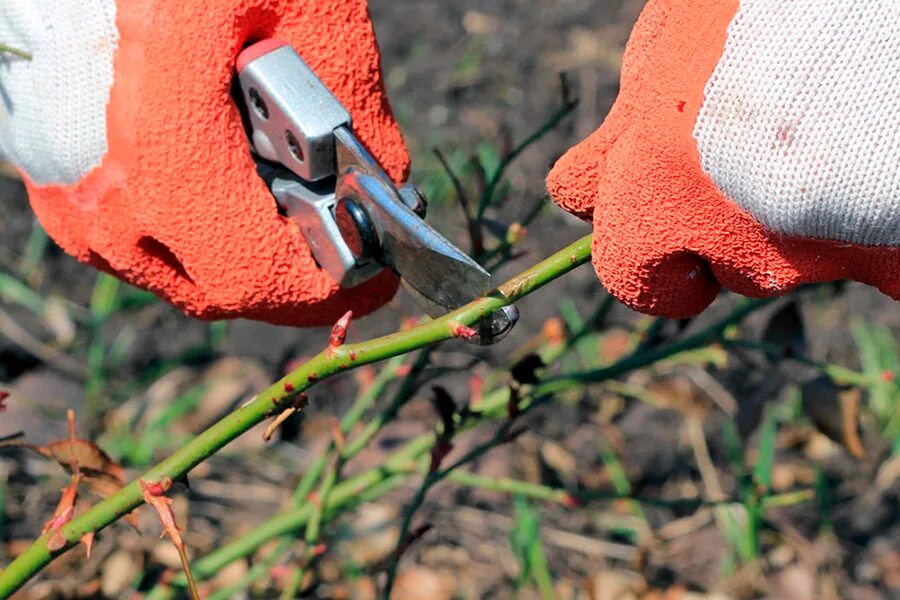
339,331
289,387
404,370
352,356
3,396
458,330
886,376
313,377
319,549
88,541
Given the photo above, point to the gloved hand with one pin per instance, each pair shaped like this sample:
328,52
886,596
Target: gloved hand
136,161
754,144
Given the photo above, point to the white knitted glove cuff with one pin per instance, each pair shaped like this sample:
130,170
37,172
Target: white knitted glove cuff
53,107
800,125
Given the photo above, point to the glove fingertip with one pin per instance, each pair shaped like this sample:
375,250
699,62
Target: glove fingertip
674,284
573,184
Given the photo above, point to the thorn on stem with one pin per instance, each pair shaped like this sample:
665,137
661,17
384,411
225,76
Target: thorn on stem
3,396
88,541
154,495
65,510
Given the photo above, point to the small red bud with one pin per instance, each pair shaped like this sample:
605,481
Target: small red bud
515,233
289,387
339,331
570,501
888,376
408,323
458,330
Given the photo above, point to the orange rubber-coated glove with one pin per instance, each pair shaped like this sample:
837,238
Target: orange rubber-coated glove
754,145
136,160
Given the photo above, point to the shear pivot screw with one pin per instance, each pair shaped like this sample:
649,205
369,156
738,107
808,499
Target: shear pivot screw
356,229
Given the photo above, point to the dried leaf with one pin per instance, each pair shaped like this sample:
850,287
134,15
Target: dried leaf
103,476
93,461
446,409
525,371
835,412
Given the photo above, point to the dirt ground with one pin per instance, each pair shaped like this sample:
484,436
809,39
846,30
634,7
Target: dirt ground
464,76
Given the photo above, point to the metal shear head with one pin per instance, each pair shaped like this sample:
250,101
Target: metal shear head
356,221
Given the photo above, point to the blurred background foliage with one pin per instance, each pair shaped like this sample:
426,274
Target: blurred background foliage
752,452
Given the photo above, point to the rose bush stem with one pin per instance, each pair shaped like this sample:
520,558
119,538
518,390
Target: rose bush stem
285,393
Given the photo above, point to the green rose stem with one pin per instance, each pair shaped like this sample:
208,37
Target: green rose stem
287,392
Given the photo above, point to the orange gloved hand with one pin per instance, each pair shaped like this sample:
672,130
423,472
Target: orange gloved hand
754,145
136,160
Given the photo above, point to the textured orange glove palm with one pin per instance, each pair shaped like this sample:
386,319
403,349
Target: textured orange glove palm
753,145
174,204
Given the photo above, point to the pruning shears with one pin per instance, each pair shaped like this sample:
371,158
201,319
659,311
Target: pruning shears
356,221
